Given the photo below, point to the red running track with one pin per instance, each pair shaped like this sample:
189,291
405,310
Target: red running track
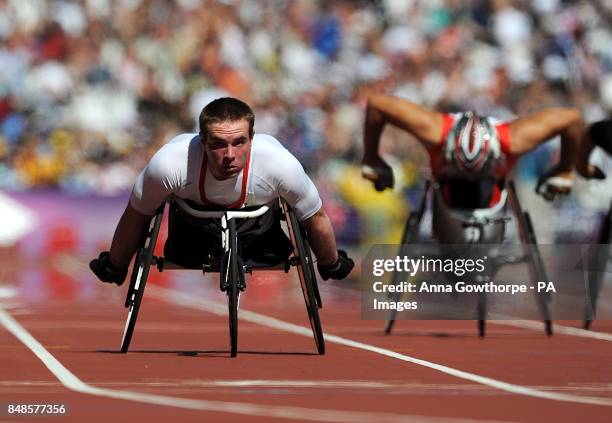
178,367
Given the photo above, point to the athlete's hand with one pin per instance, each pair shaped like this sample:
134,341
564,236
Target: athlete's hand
378,171
555,182
338,269
106,271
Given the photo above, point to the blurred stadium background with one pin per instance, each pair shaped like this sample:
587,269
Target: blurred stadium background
90,89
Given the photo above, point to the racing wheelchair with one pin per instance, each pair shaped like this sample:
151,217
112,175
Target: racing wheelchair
228,263
597,263
470,227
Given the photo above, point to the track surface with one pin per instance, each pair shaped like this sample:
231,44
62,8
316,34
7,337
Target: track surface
178,367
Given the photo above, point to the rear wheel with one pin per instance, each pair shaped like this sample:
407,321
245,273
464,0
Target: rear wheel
598,258
538,270
532,252
138,280
308,279
482,313
409,236
134,300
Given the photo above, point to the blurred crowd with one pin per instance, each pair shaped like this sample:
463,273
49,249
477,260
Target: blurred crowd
89,89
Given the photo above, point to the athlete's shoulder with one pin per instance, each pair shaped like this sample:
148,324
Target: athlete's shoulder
173,154
265,141
272,161
177,144
182,139
268,147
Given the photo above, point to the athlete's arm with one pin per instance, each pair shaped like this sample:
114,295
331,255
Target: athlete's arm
426,125
526,133
111,266
321,237
332,263
153,185
300,193
128,234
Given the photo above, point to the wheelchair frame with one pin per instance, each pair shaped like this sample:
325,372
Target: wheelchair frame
530,248
232,270
599,256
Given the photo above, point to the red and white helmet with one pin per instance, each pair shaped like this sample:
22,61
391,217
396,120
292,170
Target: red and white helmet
472,146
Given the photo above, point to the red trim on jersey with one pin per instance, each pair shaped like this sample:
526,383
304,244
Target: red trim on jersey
495,196
503,132
245,176
447,125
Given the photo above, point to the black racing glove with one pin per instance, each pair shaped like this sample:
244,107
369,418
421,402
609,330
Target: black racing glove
105,271
601,134
594,172
338,269
598,173
380,175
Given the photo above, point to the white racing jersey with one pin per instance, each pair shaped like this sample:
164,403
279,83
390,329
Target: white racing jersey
273,172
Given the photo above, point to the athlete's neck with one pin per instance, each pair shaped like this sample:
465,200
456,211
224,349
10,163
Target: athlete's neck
223,178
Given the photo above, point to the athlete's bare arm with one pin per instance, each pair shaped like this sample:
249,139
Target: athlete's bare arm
128,234
425,125
526,133
322,238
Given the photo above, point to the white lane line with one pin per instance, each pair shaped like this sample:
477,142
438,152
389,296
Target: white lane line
72,382
7,292
564,330
216,308
345,384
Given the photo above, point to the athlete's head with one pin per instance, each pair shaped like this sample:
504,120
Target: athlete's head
472,144
226,129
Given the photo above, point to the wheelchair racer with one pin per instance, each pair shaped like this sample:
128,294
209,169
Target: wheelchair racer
224,165
472,155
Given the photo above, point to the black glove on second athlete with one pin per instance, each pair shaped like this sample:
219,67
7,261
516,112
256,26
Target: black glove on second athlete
339,269
105,271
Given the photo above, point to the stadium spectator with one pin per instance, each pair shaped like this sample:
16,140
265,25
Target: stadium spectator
117,76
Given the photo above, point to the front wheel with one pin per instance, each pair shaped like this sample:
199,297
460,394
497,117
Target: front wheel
232,303
232,276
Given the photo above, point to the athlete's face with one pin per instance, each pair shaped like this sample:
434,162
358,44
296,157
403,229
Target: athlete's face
227,146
